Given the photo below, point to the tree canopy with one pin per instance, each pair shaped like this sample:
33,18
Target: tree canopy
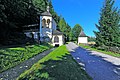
64,27
108,26
76,31
16,13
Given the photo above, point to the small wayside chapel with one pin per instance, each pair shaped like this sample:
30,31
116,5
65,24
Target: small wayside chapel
82,39
47,31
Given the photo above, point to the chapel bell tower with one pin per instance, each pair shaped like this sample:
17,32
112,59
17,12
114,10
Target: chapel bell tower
47,25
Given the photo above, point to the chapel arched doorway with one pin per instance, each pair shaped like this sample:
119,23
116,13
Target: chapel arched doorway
56,39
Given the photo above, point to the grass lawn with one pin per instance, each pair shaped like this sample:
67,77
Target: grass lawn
10,57
58,65
105,52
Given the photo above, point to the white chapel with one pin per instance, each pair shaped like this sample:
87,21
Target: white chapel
47,31
82,38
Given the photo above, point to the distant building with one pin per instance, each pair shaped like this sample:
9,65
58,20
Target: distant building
82,39
47,30
57,38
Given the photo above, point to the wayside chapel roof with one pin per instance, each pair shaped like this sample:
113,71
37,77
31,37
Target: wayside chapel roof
46,13
56,32
82,34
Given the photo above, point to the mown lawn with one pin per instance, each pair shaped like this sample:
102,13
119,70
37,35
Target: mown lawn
58,65
105,52
10,57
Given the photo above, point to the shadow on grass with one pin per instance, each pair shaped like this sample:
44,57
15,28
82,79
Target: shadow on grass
11,57
63,69
24,45
3,54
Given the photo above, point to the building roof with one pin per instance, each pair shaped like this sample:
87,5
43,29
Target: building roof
56,32
82,34
46,13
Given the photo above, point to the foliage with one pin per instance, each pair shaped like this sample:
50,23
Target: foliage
76,31
40,5
10,57
109,26
58,65
112,53
115,49
14,14
54,14
64,27
71,35
91,39
17,13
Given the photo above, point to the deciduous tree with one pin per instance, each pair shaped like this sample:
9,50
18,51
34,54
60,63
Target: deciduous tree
76,31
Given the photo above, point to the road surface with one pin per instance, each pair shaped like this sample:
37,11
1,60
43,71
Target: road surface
98,65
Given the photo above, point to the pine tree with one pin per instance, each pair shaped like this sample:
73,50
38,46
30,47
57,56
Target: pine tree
109,27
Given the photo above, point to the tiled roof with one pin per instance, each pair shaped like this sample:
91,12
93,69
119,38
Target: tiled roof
56,32
82,34
46,14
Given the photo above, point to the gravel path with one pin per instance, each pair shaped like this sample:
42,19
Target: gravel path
98,65
13,73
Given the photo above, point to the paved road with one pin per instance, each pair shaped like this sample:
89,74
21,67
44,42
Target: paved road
14,72
98,65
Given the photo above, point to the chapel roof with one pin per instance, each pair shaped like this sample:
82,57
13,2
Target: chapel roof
82,34
47,13
56,32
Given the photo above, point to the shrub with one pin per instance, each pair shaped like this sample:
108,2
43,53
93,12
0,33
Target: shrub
103,48
115,49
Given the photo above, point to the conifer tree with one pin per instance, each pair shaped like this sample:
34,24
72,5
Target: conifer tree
109,26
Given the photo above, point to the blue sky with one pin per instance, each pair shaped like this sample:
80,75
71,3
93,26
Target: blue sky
83,12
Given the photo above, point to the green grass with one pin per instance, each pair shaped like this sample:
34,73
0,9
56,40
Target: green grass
58,65
10,57
105,52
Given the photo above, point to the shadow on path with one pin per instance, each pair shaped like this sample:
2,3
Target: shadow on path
95,65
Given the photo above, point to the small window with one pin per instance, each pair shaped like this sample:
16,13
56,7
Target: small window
56,39
48,21
43,23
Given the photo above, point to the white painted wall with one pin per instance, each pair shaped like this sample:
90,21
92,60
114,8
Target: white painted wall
82,40
28,34
47,17
54,24
61,40
35,35
47,31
